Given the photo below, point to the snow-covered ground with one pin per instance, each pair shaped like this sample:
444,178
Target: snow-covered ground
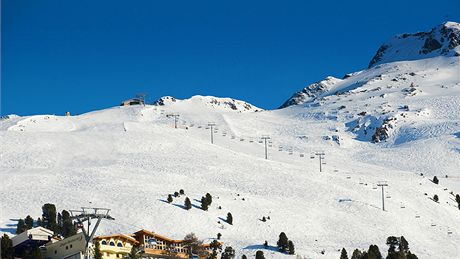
130,158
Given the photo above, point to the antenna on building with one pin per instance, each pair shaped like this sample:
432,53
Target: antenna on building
87,214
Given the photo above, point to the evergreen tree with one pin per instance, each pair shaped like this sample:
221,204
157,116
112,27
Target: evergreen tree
244,257
260,255
411,256
436,198
216,248
68,228
392,243
291,247
343,254
97,250
170,198
29,222
264,219
6,247
176,194
229,253
435,180
374,252
457,198
357,254
181,192
204,203
59,221
191,241
208,198
403,245
283,242
21,226
229,218
266,244
133,254
219,235
49,217
187,203
39,222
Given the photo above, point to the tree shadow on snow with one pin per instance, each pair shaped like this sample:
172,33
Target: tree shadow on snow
179,205
8,230
262,247
10,227
196,206
223,220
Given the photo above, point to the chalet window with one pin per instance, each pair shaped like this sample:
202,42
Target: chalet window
112,243
104,242
120,245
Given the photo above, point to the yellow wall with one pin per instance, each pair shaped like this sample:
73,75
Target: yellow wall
114,251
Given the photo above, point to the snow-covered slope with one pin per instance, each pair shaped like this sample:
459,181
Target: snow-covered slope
441,40
130,158
209,101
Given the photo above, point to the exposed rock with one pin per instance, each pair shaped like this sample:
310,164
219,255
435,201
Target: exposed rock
310,92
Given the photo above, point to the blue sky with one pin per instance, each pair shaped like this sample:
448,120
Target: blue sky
79,55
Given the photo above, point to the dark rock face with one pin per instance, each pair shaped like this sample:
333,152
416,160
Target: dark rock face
378,56
430,45
441,40
161,101
310,92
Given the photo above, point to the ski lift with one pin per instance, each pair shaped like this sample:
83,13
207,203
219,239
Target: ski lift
417,216
301,155
260,141
199,126
433,225
270,146
312,156
233,137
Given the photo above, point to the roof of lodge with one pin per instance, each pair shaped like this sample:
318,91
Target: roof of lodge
158,236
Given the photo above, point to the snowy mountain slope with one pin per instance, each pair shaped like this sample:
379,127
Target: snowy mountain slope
310,92
379,104
441,40
210,101
130,158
